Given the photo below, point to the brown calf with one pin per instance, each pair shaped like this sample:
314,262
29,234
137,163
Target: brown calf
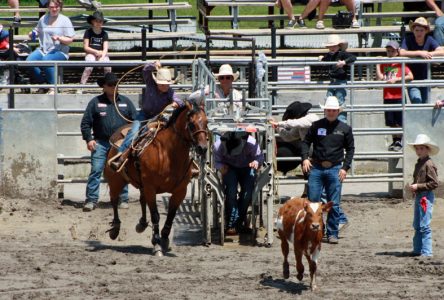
300,222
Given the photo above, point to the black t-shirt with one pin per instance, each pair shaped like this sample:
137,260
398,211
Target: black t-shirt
416,6
96,40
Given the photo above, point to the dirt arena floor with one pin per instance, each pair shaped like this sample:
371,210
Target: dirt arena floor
56,251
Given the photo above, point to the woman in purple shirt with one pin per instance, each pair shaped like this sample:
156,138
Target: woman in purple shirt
158,95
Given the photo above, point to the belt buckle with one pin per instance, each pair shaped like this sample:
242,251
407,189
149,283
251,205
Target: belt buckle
326,164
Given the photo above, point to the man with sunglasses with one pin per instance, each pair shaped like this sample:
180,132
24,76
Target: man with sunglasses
225,86
328,167
99,122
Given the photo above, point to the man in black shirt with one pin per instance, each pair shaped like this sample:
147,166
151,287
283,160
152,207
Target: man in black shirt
328,167
100,120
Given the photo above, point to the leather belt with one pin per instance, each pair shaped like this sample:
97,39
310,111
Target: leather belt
324,163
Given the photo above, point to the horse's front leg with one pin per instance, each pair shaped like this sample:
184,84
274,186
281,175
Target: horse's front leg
115,224
150,197
143,224
174,203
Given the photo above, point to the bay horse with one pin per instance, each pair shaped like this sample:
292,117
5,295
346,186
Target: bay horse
163,167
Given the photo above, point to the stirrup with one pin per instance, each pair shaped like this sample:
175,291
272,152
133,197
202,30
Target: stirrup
112,159
117,166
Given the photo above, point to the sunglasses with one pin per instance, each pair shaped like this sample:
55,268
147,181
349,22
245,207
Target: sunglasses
228,77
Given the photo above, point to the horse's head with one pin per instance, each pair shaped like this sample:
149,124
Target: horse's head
197,127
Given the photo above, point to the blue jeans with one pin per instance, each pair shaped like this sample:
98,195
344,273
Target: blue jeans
236,209
438,33
342,216
36,72
339,93
132,133
327,178
98,161
422,240
418,95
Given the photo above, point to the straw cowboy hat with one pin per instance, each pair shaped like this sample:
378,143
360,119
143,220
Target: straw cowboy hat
424,140
335,40
97,15
331,103
163,76
421,21
225,70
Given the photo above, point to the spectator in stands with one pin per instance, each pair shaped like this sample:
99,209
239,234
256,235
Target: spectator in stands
349,4
420,45
415,6
95,44
438,33
55,33
237,156
392,73
225,86
15,4
309,11
339,73
158,95
100,120
328,166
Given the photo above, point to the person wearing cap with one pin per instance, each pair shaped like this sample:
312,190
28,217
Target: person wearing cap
420,44
339,73
100,120
237,156
157,96
225,78
95,44
328,166
425,180
392,73
55,32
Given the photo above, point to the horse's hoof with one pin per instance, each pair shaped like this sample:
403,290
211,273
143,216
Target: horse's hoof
165,244
300,276
113,232
313,287
286,274
140,227
157,251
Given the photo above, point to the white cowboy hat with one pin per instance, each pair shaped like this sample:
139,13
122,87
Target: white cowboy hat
163,76
335,40
225,70
331,103
423,139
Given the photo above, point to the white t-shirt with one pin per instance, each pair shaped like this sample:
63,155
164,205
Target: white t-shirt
61,27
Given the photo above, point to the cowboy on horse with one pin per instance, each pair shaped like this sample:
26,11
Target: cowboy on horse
158,95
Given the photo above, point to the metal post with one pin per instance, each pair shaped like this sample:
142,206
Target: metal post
252,73
11,101
150,26
273,69
143,43
207,50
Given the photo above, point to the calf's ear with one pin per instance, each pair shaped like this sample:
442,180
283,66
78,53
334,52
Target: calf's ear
327,207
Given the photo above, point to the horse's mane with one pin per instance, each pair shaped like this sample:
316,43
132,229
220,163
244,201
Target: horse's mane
178,111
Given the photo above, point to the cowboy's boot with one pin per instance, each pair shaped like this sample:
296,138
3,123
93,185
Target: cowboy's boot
117,162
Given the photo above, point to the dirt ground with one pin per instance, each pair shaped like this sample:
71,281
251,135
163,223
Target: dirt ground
56,251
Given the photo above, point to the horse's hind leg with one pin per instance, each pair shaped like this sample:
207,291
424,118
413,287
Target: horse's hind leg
116,185
174,203
143,224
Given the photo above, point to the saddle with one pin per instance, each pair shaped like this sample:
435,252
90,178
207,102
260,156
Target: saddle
144,139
